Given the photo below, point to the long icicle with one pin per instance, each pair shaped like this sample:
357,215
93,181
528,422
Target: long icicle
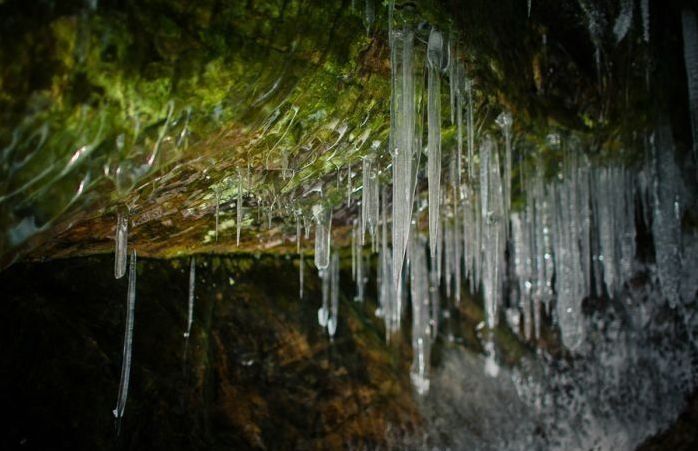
128,339
192,284
434,61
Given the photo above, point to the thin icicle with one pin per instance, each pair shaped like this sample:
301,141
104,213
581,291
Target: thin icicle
470,129
334,289
238,219
505,122
434,61
645,11
690,53
128,341
624,19
218,201
421,324
121,247
301,265
192,283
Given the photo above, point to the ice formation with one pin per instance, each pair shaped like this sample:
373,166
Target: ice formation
121,246
690,52
192,286
434,62
128,339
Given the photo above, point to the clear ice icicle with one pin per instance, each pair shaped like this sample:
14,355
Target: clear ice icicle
505,122
334,297
421,324
690,53
405,146
323,224
434,62
624,19
238,207
301,265
645,11
121,247
323,312
192,284
128,338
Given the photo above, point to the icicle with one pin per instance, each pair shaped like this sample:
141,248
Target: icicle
323,312
369,200
218,201
128,338
645,10
121,248
301,265
298,235
406,147
192,283
323,225
349,187
529,8
690,53
434,60
470,130
624,20
421,327
334,288
360,277
238,219
493,229
354,242
505,121
666,215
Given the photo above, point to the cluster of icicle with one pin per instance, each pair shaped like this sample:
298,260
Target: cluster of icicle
573,238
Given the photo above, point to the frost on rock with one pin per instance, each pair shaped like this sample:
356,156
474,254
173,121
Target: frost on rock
121,246
128,340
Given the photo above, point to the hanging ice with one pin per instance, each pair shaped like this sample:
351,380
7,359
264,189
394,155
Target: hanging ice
192,283
334,298
369,199
301,265
434,62
404,147
690,53
128,338
645,10
666,214
323,224
505,121
624,19
238,207
323,312
121,247
493,230
421,325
